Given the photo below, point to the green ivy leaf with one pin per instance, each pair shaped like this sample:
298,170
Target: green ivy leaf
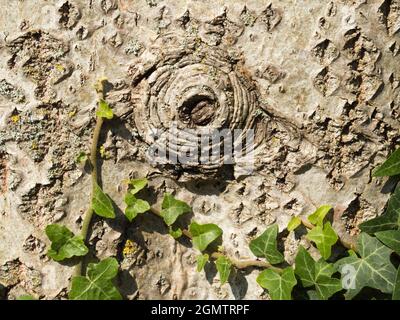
26,297
173,208
266,246
136,185
81,157
224,266
317,274
293,223
204,234
64,244
279,286
389,220
373,269
202,259
97,285
317,218
390,167
135,206
324,237
176,234
391,238
104,110
396,289
101,203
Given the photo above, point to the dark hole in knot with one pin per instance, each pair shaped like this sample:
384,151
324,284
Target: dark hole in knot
197,111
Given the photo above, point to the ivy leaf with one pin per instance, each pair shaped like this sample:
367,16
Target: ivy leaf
173,208
391,238
390,167
317,218
373,269
316,273
136,185
202,259
135,206
389,220
224,266
64,244
279,286
176,234
104,110
266,246
293,223
396,289
101,203
324,237
26,297
204,234
97,285
81,157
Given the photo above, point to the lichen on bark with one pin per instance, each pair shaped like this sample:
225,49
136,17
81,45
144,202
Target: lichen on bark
318,81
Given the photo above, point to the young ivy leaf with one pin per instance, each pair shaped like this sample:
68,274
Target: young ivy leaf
64,244
173,208
224,266
266,245
293,223
396,289
373,268
136,185
104,110
324,237
204,234
391,238
135,206
97,285
101,203
26,297
390,167
317,218
176,234
389,220
317,274
279,286
81,157
202,259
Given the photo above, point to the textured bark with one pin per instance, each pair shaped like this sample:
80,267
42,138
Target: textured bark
317,80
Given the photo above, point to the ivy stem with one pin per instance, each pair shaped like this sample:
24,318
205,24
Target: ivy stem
94,177
238,264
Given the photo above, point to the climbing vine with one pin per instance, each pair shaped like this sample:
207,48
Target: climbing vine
367,268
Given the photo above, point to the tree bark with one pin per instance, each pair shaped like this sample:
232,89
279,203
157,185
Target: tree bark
317,81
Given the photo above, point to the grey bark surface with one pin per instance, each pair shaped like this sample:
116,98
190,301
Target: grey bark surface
317,80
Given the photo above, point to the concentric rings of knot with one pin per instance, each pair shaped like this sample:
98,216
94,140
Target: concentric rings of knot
189,85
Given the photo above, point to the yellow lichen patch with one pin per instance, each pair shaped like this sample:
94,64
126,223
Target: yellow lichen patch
34,146
59,67
15,118
102,151
72,113
129,248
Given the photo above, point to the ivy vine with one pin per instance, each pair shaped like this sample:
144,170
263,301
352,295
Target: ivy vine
371,263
